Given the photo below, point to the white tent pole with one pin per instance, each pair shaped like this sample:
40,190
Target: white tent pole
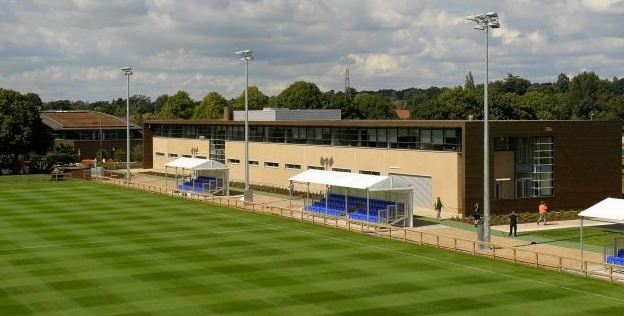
176,177
307,195
582,243
367,205
346,194
194,175
326,196
166,176
410,211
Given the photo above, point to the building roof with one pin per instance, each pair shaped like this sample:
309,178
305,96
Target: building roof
58,120
349,180
196,164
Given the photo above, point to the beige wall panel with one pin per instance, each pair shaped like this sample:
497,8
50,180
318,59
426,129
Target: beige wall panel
443,167
180,146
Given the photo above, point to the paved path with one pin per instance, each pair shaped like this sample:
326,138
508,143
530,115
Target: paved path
530,227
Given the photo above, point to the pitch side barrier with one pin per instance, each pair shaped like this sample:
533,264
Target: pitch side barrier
537,259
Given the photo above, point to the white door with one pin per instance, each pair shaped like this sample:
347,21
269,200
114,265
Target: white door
423,193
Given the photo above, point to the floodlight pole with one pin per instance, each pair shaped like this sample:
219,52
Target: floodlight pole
484,22
486,147
127,72
246,55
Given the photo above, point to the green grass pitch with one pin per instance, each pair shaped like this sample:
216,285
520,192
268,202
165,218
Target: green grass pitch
76,248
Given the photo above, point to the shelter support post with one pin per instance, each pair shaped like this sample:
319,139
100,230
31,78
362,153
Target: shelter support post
346,195
166,176
307,195
326,196
367,205
176,177
582,243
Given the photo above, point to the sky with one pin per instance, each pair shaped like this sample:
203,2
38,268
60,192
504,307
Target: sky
73,49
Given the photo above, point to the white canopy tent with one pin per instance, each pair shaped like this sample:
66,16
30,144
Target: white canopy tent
608,210
195,165
366,182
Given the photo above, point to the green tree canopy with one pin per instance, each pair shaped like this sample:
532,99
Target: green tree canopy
21,129
257,99
299,95
374,107
211,107
62,154
178,106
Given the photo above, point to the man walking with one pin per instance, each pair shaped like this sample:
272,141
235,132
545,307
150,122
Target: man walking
475,214
438,208
513,223
543,210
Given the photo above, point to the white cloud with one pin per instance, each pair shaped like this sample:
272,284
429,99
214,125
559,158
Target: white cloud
74,48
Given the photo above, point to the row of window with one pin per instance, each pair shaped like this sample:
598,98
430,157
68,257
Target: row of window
118,134
291,166
174,155
441,139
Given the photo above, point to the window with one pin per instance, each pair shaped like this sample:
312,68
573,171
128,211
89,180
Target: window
200,157
159,154
253,162
419,138
316,168
234,161
341,170
173,155
269,164
186,156
292,166
374,173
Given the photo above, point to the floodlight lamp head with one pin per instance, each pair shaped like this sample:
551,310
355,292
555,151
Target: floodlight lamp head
127,71
492,15
494,24
245,54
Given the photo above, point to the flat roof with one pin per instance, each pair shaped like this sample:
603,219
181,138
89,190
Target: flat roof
59,120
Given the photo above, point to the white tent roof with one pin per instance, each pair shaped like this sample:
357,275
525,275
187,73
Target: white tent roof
196,164
342,179
609,209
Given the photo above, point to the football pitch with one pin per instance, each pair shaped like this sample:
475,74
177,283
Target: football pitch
80,248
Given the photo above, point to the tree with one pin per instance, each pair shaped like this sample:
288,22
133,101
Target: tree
583,88
159,103
515,84
299,95
62,154
469,82
257,99
21,129
562,83
120,155
178,106
452,104
211,107
374,107
136,154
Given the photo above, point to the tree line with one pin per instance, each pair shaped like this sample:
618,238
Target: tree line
584,96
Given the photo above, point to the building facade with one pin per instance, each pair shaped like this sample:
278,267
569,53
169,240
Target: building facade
570,164
89,131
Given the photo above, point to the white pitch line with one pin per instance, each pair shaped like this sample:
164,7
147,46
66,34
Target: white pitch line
132,239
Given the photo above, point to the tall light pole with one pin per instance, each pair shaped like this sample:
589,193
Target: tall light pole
246,55
127,72
484,22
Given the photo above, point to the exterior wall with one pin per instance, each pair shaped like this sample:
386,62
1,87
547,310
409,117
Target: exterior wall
443,167
88,148
504,169
586,162
179,146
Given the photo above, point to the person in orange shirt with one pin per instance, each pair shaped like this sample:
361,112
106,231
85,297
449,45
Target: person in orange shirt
543,210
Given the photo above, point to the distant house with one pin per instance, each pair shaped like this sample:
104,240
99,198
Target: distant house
403,114
89,131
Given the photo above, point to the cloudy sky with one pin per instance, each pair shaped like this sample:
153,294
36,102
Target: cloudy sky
66,49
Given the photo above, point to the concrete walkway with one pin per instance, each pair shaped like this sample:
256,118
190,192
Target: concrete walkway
530,227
